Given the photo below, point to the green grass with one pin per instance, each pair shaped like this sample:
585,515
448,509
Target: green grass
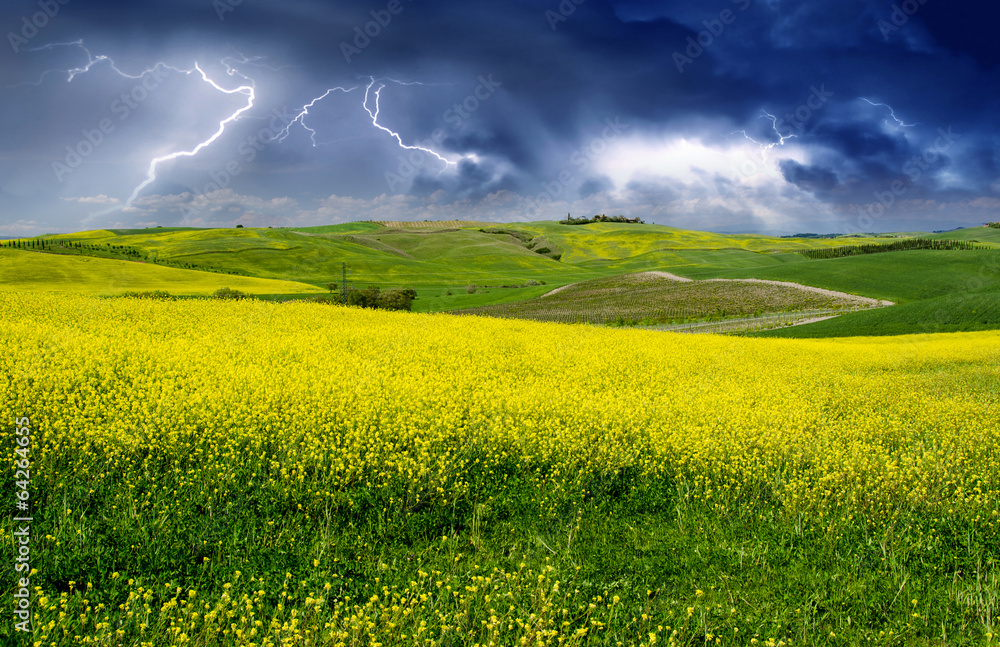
437,257
958,312
446,256
147,230
388,258
986,235
438,299
345,228
610,241
38,272
897,276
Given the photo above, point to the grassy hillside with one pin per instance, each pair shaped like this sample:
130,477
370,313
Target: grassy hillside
985,235
425,256
610,241
345,228
37,272
387,257
959,312
458,264
896,276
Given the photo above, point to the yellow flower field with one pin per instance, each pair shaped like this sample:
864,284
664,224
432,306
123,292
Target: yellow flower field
152,416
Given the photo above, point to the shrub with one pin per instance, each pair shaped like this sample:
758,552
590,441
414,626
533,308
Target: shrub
375,298
362,298
471,289
229,293
397,299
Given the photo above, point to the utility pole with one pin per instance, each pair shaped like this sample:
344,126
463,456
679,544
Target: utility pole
343,282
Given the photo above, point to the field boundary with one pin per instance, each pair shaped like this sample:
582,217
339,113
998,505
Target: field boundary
867,301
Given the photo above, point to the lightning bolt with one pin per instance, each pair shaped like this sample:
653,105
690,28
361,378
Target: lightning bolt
764,148
249,90
246,87
92,60
304,112
399,140
892,113
371,105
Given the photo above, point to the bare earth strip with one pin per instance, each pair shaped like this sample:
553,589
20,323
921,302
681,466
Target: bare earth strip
830,293
668,275
814,320
746,324
662,275
559,289
808,288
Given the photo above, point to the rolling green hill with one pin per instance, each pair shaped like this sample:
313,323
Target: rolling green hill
455,265
959,312
897,276
431,256
37,272
978,234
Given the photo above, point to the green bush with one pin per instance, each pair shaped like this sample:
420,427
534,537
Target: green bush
375,298
229,293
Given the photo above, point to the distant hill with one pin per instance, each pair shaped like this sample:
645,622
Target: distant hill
461,264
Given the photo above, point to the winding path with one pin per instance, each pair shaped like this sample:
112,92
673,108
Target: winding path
808,288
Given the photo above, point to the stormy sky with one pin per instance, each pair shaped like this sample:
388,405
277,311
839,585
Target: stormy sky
771,116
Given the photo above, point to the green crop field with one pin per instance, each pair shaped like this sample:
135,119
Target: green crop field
896,276
985,235
958,312
37,272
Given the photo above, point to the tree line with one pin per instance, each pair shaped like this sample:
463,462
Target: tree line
895,246
570,220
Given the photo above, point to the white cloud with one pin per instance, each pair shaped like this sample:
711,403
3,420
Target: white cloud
20,228
94,199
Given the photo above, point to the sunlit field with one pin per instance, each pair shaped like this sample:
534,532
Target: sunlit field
249,473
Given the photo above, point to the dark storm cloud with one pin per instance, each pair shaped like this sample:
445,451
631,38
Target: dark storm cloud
811,178
512,90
